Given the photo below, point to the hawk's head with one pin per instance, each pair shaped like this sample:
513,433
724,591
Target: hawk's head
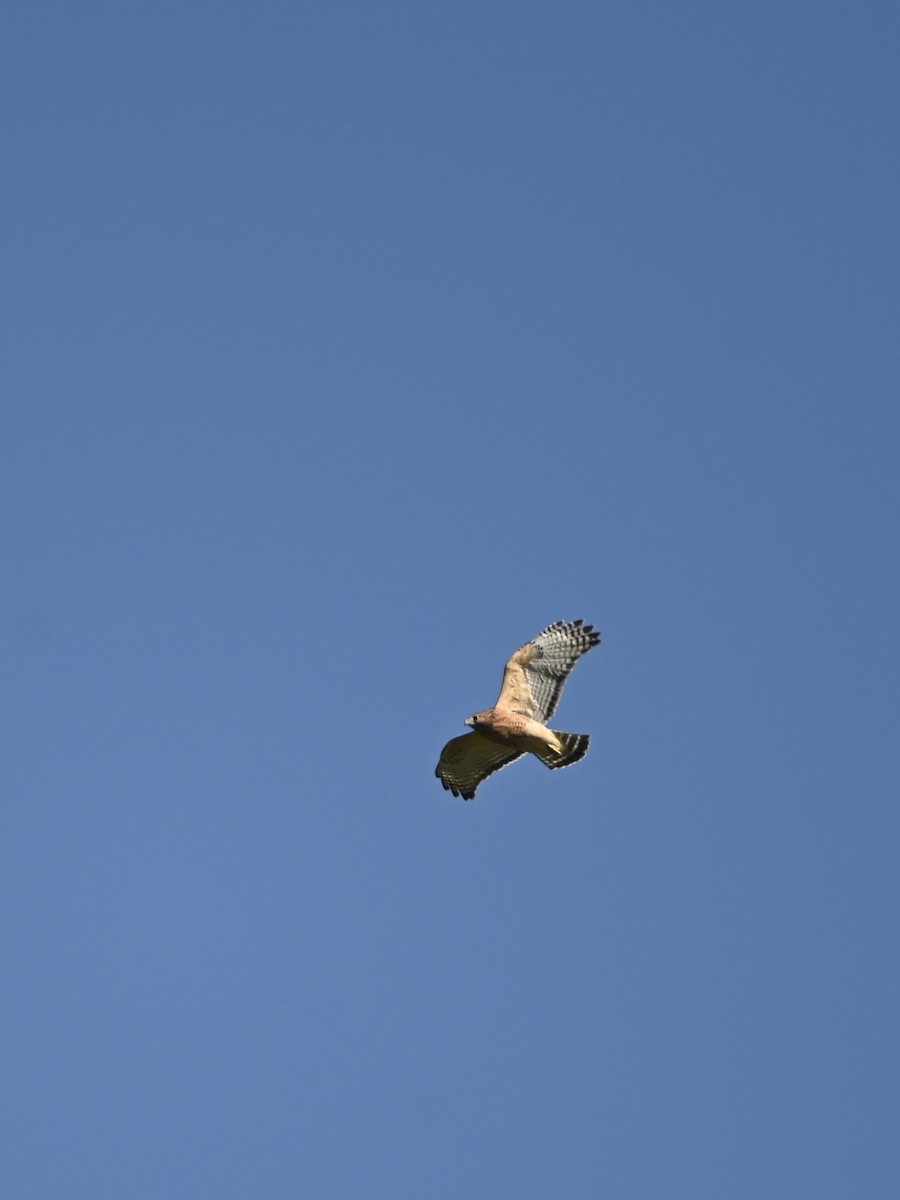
480,718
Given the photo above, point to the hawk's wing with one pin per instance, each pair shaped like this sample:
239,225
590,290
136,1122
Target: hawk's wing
468,760
534,676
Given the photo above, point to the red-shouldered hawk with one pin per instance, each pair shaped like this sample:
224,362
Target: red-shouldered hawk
532,685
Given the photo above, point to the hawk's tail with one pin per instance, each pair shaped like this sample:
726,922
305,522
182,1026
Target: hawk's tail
575,747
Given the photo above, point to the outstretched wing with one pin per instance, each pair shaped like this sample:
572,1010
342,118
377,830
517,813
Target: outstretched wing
535,675
468,760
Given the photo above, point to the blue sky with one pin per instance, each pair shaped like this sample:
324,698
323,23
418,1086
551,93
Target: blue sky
347,346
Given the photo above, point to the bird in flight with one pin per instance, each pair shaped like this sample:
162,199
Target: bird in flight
517,724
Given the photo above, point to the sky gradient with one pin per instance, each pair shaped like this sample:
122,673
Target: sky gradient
347,346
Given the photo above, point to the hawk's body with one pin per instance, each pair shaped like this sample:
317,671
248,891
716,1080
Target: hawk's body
516,725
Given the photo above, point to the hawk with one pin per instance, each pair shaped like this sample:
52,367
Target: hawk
532,685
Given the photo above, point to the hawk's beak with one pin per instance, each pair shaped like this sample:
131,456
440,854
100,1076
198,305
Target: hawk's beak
469,721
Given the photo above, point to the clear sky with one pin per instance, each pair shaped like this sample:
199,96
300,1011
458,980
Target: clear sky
345,347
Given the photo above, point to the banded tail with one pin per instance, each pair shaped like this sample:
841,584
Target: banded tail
575,747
